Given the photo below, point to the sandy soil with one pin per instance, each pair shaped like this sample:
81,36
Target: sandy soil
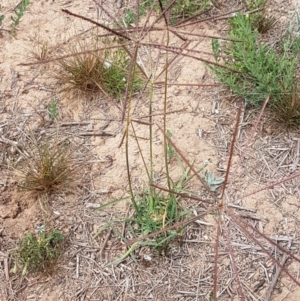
201,120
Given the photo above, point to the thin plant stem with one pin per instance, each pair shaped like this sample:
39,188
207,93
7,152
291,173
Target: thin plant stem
165,113
127,105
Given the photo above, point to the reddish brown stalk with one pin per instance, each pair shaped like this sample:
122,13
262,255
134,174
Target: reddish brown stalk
169,112
210,18
254,128
267,252
179,51
188,85
190,166
165,10
183,195
98,24
122,139
162,14
243,226
171,61
141,122
194,17
237,124
240,221
116,22
186,33
271,186
216,256
178,35
133,29
137,65
151,27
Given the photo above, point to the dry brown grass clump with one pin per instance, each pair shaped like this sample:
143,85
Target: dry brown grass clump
48,168
99,71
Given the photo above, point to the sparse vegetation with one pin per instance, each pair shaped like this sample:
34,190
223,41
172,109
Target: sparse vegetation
226,246
39,252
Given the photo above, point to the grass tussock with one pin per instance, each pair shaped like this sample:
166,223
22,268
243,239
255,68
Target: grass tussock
48,168
96,71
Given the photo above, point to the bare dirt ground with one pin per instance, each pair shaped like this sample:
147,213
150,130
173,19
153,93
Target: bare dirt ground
201,121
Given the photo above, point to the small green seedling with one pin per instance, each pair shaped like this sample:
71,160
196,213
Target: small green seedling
211,181
38,252
209,177
52,110
1,19
170,148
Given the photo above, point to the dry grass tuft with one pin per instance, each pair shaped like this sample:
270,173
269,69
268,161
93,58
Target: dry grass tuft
48,168
98,71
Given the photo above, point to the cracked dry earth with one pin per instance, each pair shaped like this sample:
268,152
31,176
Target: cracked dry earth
201,120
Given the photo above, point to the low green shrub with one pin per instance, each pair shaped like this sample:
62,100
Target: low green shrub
257,71
38,252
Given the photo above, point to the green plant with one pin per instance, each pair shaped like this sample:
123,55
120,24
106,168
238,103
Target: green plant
19,12
52,110
291,39
116,72
256,70
209,178
171,151
1,17
39,252
154,212
92,72
47,168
